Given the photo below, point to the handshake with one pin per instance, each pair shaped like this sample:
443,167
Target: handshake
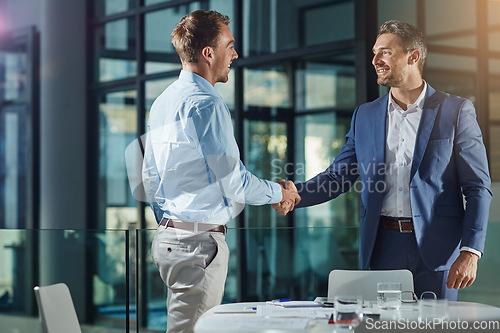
290,197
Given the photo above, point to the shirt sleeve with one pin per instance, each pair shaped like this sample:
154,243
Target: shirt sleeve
214,130
151,178
470,249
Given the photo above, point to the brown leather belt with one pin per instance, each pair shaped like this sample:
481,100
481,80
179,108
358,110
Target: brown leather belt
401,224
191,226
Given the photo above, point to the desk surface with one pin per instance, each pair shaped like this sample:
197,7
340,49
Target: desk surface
241,318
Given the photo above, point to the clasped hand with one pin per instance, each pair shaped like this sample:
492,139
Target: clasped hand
290,197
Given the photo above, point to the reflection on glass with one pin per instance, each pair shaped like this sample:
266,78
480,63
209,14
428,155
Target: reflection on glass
265,154
118,127
456,28
13,254
108,251
267,88
456,75
10,173
266,157
12,76
326,83
319,140
110,7
115,46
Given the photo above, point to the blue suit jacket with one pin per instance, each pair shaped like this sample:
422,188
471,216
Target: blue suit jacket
449,160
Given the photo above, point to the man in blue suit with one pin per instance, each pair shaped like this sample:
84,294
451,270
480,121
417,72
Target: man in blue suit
418,152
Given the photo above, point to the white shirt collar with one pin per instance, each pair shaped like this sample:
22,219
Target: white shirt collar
419,103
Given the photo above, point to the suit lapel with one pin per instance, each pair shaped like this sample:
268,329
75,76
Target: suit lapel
379,130
429,113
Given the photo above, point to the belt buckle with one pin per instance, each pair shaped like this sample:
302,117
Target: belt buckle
401,227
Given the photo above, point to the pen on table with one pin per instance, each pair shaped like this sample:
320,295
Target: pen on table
251,308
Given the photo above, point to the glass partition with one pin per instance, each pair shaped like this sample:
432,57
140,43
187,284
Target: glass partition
93,263
118,126
279,262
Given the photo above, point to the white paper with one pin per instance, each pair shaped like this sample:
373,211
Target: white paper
269,310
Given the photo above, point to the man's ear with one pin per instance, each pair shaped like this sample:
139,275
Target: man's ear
207,53
414,57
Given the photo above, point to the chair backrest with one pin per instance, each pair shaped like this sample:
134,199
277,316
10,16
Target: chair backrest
56,309
364,283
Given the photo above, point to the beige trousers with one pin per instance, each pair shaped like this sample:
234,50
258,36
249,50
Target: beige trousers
194,268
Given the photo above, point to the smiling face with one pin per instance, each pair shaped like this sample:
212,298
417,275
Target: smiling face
224,54
393,65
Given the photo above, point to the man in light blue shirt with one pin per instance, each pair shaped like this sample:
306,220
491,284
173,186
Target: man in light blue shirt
192,172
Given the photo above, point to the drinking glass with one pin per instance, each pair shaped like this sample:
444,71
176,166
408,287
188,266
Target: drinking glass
389,295
432,309
348,312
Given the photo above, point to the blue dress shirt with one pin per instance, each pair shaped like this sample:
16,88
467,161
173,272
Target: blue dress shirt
192,169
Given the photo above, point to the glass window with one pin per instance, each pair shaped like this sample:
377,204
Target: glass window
494,25
327,82
267,87
338,17
226,90
152,2
277,25
266,157
326,235
110,7
494,104
320,138
13,76
457,28
494,152
404,11
160,53
456,75
115,47
154,88
118,128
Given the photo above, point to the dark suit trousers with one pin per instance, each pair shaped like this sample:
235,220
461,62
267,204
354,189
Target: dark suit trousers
396,250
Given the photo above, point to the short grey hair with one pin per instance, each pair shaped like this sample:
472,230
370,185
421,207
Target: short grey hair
411,37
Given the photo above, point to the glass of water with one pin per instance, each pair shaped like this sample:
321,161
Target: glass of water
348,312
389,295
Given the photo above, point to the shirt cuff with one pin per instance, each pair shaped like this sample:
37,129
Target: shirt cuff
277,195
470,249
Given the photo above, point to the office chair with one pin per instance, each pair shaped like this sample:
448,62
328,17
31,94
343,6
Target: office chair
364,283
56,309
